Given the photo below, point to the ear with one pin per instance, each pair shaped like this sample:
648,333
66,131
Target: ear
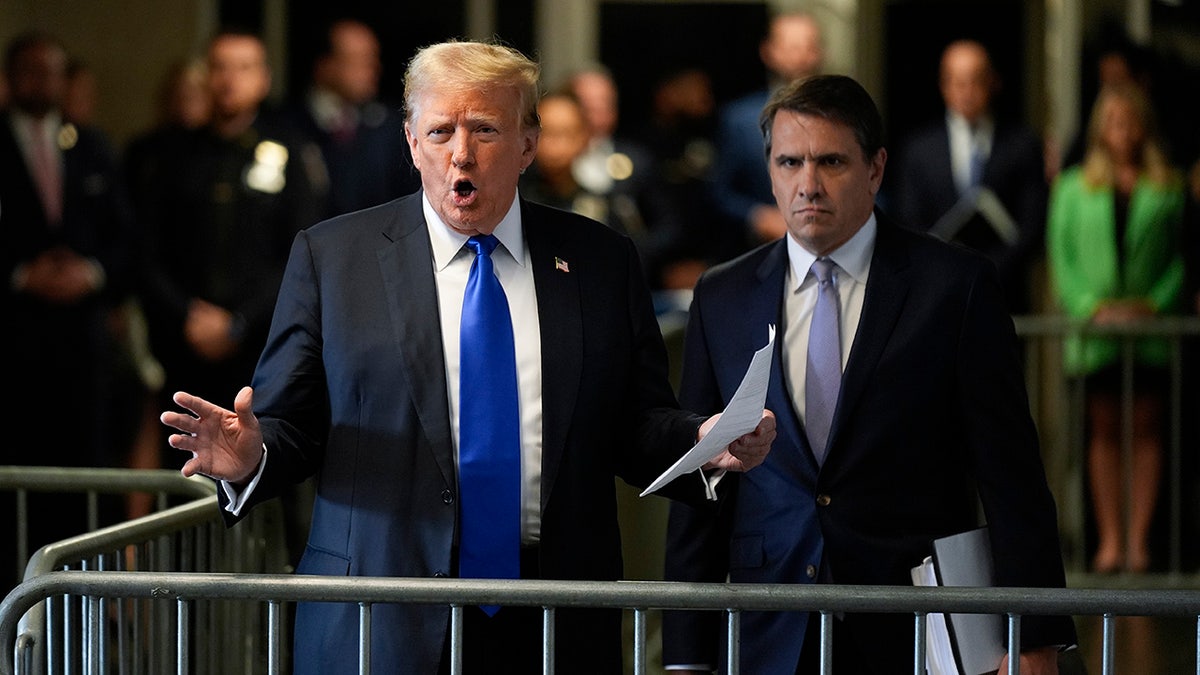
876,170
411,139
529,141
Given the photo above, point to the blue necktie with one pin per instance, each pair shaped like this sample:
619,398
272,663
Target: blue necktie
823,379
489,452
975,170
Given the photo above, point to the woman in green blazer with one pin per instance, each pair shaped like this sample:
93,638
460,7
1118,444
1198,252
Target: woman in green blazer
1113,248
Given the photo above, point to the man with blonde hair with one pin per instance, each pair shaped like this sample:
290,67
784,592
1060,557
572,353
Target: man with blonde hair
371,381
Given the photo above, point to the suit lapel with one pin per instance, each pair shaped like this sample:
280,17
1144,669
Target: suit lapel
560,320
767,308
407,272
887,289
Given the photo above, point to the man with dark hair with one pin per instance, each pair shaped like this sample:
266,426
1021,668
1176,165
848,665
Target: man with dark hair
900,408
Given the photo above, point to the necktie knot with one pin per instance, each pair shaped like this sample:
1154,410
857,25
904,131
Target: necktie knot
823,269
483,244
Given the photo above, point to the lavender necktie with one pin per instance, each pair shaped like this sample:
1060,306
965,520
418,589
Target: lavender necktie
823,380
489,452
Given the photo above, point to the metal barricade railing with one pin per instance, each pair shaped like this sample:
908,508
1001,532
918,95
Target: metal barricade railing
188,538
1057,403
163,484
185,591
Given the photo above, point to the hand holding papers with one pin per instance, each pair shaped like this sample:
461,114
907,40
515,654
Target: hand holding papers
740,417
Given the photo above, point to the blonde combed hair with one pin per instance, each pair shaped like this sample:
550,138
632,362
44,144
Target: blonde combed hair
472,65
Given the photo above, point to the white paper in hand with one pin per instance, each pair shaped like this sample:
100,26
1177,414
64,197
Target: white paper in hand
740,417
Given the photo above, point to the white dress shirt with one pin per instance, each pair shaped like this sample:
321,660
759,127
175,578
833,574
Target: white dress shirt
452,260
854,264
963,140
452,265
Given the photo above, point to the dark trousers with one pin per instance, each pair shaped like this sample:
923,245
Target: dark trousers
508,642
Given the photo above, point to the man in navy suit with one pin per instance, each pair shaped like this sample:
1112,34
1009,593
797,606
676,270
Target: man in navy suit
931,419
975,178
66,241
359,385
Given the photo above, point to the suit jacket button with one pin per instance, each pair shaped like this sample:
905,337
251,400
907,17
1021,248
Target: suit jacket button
811,571
823,500
447,497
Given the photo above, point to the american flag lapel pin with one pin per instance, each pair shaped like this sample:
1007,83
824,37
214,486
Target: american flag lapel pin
561,265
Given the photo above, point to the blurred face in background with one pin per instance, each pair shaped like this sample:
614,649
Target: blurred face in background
238,77
352,67
187,100
967,81
1121,129
793,48
37,78
564,134
597,93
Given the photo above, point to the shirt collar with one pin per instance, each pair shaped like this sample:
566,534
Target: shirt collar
852,257
982,129
447,243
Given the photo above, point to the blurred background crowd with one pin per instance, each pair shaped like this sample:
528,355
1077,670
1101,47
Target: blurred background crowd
156,159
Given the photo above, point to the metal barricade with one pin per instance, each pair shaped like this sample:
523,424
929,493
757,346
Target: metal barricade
186,592
163,484
188,538
1057,402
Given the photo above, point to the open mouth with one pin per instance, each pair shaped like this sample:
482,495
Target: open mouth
464,188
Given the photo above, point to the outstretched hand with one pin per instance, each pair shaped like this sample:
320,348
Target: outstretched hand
225,445
746,451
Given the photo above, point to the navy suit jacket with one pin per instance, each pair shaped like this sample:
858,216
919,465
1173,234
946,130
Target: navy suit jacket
1015,172
932,418
352,387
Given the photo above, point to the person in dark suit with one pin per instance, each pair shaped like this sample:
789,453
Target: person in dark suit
975,178
66,241
361,137
219,211
793,47
359,384
929,418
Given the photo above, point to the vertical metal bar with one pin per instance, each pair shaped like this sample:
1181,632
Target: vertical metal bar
274,630
639,641
919,644
1127,436
1014,643
733,640
826,642
181,637
456,639
1077,430
1175,445
548,652
1109,645
364,638
93,511
22,533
